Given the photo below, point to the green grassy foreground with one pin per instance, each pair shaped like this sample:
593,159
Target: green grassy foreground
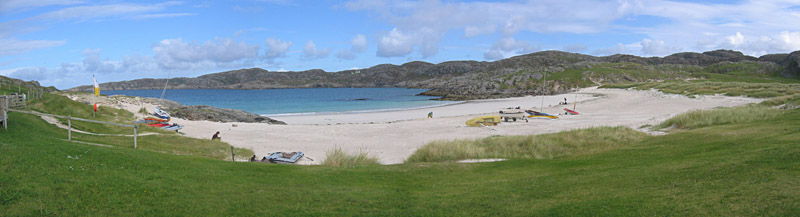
740,169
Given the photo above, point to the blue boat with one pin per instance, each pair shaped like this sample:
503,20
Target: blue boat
286,158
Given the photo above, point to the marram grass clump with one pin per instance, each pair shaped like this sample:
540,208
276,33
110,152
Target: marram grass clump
338,158
546,146
718,116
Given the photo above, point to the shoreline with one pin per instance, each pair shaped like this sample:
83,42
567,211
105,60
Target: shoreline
360,111
392,136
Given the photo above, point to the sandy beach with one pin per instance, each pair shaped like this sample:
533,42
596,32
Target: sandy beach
392,136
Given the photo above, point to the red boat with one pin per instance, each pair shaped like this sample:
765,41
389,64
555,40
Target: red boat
571,111
159,125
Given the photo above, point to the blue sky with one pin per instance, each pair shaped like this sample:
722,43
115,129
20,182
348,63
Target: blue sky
64,42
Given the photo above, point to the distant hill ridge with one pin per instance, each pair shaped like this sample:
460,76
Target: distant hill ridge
513,76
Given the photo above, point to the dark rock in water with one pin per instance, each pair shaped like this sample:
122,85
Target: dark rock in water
209,113
359,99
204,112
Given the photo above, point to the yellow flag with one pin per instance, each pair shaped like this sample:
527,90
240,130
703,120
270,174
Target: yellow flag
96,87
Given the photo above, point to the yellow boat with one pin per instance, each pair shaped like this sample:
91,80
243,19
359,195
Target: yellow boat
540,115
484,121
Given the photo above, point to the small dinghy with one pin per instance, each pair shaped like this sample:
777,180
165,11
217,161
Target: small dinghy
161,113
174,127
282,157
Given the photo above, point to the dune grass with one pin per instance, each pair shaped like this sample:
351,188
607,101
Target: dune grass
756,90
339,158
545,146
718,116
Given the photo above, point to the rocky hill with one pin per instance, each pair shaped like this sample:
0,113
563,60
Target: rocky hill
513,76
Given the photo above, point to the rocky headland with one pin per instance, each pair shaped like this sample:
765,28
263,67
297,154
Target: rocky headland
547,72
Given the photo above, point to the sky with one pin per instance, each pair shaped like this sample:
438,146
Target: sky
63,43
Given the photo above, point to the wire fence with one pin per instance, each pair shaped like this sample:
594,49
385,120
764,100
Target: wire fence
69,122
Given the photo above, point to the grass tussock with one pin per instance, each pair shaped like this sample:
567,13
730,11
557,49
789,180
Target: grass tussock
339,158
703,118
546,146
756,90
781,100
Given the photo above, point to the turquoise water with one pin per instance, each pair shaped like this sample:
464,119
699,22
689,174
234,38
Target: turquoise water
274,102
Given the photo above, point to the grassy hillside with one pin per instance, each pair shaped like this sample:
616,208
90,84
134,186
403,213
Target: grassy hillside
163,141
742,169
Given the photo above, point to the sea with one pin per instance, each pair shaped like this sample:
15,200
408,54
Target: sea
281,102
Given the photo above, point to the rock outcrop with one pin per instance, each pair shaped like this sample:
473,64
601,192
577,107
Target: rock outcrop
204,112
515,76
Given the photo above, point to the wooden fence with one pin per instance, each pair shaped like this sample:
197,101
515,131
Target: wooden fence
69,122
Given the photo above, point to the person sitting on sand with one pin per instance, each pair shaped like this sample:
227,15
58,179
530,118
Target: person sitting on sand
216,136
430,114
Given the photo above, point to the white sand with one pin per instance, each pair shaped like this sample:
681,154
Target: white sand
393,136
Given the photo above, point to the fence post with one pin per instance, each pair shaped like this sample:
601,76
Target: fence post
5,112
69,128
135,134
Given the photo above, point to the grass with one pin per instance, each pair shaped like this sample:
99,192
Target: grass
164,142
740,169
546,146
718,116
339,158
757,90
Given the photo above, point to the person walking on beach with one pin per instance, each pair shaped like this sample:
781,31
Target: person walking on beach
430,114
216,136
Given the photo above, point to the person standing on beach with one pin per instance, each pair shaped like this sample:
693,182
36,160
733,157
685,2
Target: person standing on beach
430,114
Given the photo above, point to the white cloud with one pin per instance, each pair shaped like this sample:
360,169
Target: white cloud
31,73
419,25
618,49
575,48
10,5
345,55
359,43
736,40
655,47
177,54
154,16
509,46
395,43
310,51
84,13
11,46
93,63
276,48
422,24
493,55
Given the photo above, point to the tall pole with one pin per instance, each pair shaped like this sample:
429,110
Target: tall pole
544,83
69,128
577,88
5,113
135,134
